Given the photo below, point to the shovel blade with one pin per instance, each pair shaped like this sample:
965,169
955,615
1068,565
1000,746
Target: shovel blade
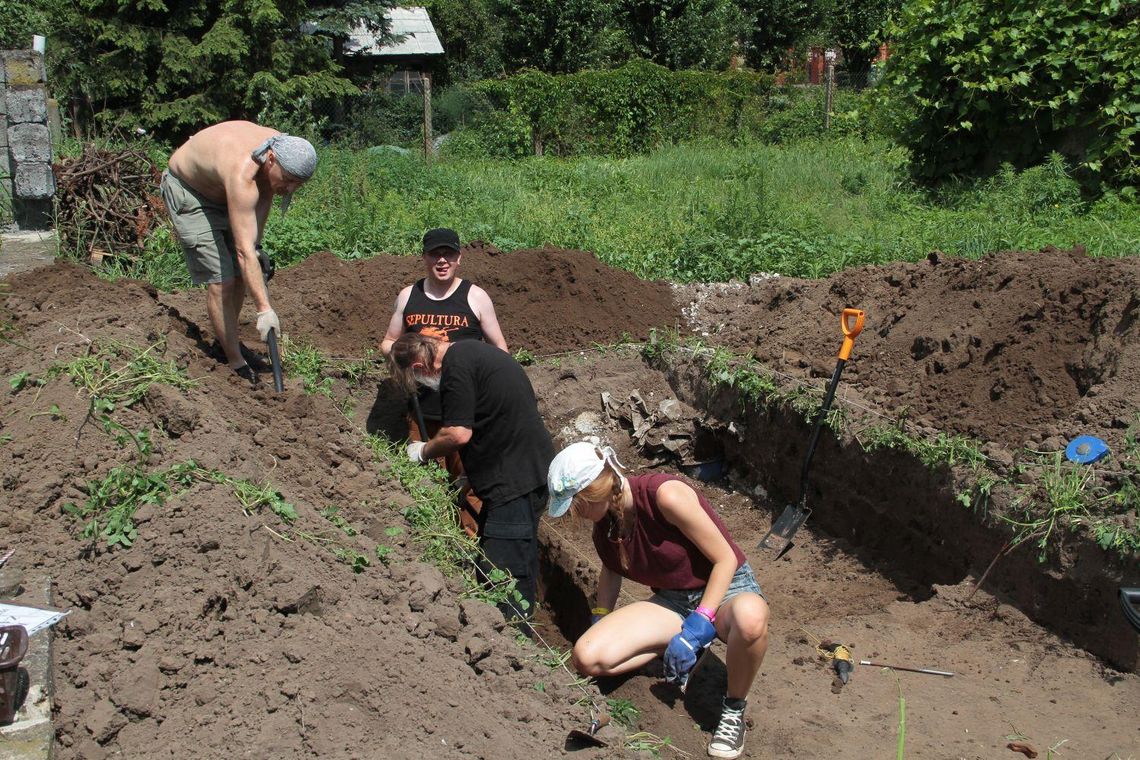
779,537
579,739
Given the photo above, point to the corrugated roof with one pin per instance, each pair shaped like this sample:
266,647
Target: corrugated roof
411,26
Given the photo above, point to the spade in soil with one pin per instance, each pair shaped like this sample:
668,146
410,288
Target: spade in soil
779,538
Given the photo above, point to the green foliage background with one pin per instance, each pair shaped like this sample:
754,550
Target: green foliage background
175,67
1011,82
619,112
690,212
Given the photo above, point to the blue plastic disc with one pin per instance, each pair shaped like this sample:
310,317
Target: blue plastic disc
1086,449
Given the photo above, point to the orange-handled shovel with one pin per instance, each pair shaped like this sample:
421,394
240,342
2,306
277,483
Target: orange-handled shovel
779,538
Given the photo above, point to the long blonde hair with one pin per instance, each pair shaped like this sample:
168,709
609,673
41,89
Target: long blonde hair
607,487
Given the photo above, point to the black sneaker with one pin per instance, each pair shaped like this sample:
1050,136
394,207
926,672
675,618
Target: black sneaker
245,372
728,739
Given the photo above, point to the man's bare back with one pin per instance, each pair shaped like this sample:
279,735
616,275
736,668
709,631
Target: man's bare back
218,156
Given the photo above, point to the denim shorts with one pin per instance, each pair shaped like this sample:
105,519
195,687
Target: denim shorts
684,601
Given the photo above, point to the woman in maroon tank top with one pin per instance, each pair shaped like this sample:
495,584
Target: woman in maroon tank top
658,530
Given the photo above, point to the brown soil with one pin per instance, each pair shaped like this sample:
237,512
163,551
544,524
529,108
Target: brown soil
213,637
1019,349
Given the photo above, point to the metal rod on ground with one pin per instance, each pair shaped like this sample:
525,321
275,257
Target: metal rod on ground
927,671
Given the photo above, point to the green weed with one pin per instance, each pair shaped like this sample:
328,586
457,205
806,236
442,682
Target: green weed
643,741
20,380
332,514
52,411
434,526
307,362
353,558
942,450
623,711
112,501
120,373
254,497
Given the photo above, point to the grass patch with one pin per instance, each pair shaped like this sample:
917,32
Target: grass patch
319,373
699,212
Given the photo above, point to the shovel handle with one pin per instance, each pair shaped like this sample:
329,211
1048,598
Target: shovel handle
275,360
851,322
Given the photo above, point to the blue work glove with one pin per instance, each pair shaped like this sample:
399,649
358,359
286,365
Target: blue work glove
697,632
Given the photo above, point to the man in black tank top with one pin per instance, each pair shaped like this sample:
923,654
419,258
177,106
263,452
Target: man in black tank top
449,309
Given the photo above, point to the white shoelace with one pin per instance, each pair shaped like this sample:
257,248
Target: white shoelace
730,727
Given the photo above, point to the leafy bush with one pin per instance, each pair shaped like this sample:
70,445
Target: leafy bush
1014,82
620,112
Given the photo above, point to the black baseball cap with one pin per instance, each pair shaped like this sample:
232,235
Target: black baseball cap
441,237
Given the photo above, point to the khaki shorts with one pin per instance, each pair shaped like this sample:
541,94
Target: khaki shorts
203,229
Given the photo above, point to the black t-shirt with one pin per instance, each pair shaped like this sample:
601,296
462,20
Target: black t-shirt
448,319
484,389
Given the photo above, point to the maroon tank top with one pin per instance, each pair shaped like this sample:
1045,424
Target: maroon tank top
660,555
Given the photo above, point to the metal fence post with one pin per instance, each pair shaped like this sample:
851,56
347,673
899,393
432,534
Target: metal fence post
427,116
829,85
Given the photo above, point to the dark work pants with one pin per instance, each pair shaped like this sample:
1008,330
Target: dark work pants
508,535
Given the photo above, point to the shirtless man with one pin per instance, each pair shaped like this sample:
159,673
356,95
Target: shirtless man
218,188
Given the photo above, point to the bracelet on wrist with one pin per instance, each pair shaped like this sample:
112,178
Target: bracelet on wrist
600,611
707,612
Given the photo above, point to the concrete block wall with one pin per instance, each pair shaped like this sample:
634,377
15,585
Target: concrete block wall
26,181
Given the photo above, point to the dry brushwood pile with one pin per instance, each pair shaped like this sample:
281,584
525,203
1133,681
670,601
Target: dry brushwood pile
107,202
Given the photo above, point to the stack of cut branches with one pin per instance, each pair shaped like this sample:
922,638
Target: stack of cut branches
108,202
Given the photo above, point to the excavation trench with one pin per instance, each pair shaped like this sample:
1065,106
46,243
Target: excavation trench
885,531
887,563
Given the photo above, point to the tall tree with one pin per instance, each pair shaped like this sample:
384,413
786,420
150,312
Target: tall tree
686,34
171,66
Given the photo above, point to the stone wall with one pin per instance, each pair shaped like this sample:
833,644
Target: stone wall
26,181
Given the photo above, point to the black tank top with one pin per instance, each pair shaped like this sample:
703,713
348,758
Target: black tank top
449,320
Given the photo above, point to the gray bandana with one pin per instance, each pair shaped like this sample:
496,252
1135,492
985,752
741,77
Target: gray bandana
295,154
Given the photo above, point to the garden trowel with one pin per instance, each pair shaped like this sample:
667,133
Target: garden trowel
578,738
779,538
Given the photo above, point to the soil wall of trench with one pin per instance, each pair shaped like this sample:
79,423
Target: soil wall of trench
893,511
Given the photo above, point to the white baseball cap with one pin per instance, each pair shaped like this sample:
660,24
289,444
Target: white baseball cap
574,468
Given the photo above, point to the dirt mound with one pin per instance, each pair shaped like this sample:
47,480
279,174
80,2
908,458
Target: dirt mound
1020,348
547,299
228,631
225,631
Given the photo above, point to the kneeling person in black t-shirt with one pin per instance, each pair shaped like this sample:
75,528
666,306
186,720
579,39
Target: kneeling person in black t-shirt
490,415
